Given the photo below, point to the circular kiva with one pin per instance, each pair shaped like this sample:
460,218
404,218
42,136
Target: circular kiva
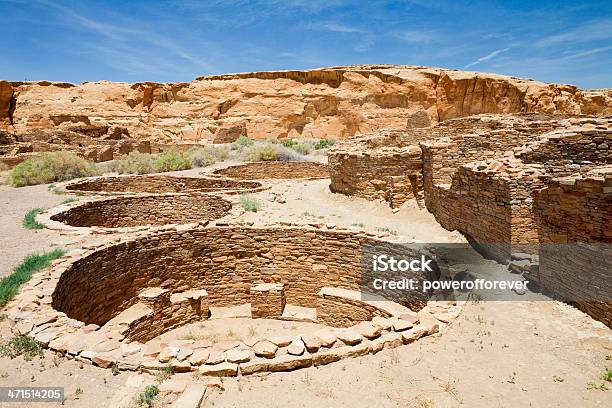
160,184
275,170
137,211
110,304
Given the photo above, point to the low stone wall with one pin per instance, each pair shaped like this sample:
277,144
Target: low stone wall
275,170
225,261
100,304
575,229
158,184
134,211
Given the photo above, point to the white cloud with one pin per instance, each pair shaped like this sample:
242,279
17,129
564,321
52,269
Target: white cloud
416,36
589,52
598,30
487,57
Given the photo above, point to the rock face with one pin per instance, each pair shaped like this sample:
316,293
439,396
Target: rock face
333,103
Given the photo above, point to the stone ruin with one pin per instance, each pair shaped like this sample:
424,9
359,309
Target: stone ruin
275,170
109,304
136,211
98,143
510,184
127,184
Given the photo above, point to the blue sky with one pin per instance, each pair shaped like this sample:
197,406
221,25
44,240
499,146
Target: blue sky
134,40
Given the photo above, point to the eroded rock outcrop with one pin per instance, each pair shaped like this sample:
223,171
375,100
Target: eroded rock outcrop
335,102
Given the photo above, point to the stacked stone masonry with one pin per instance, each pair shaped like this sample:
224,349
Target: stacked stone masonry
159,184
575,231
481,175
275,170
107,304
139,210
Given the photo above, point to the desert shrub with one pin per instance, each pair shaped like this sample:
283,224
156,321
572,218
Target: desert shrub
301,148
243,141
207,155
23,272
50,167
289,143
21,345
29,221
249,203
135,163
173,160
265,152
149,394
285,154
323,144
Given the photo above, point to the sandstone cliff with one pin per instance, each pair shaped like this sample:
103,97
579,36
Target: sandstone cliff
334,102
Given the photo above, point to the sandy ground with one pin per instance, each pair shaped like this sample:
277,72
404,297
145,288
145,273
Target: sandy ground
496,354
15,241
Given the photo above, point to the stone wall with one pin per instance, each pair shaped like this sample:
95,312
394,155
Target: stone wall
158,184
377,167
575,229
121,212
491,201
225,261
96,143
275,170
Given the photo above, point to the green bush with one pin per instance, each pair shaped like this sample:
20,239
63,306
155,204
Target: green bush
23,272
323,144
207,155
21,345
262,153
173,160
243,141
51,167
29,221
135,163
301,148
289,143
249,203
149,394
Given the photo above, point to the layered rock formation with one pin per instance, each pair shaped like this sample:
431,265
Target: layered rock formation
334,103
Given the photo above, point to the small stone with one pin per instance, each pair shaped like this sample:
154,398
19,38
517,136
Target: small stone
183,354
191,397
173,386
312,343
220,370
367,330
254,366
23,327
215,357
296,347
281,341
237,355
326,337
265,349
381,322
349,337
199,356
400,324
410,317
290,362
129,349
167,354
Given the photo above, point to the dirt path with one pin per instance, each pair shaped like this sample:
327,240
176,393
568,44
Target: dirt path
15,241
496,354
